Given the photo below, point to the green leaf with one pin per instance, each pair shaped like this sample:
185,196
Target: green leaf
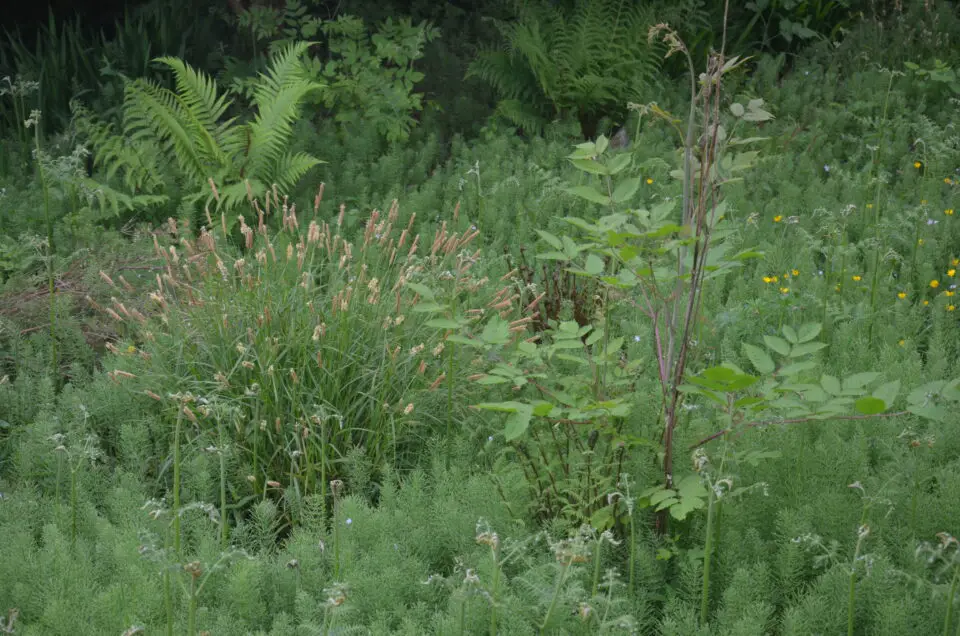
619,163
503,407
830,384
929,412
923,393
443,323
797,367
779,345
860,380
518,423
870,405
626,189
790,334
806,348
551,239
423,290
809,331
590,194
593,264
427,307
888,392
759,358
680,510
601,144
590,165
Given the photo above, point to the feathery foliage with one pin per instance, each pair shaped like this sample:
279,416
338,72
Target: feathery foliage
587,62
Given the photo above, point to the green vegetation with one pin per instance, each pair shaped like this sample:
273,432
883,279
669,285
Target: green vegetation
528,318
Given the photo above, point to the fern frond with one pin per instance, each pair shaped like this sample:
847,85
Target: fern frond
198,93
154,112
107,199
291,168
286,69
272,127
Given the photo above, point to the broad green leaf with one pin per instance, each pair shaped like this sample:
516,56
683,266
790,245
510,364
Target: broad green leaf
518,423
502,407
458,339
602,143
870,405
661,495
790,334
423,290
619,163
860,380
443,323
797,367
929,411
427,307
952,390
590,194
626,189
887,392
809,331
497,331
602,519
489,380
923,393
542,409
590,165
759,358
551,239
691,486
680,510
830,384
779,345
593,265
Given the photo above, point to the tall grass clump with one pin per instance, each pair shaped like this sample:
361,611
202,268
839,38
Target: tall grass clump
319,345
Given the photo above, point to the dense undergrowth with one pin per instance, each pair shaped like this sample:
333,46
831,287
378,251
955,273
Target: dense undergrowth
462,370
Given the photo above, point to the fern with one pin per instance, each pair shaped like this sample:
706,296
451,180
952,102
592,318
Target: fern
587,62
188,127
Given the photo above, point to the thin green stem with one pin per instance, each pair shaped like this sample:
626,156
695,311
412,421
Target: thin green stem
176,478
556,594
948,619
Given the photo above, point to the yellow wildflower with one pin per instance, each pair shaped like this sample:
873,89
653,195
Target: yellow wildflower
795,272
778,218
934,283
649,181
948,211
767,279
951,272
955,262
857,278
869,206
902,295
926,302
902,342
917,165
920,242
950,307
947,180
948,293
784,290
